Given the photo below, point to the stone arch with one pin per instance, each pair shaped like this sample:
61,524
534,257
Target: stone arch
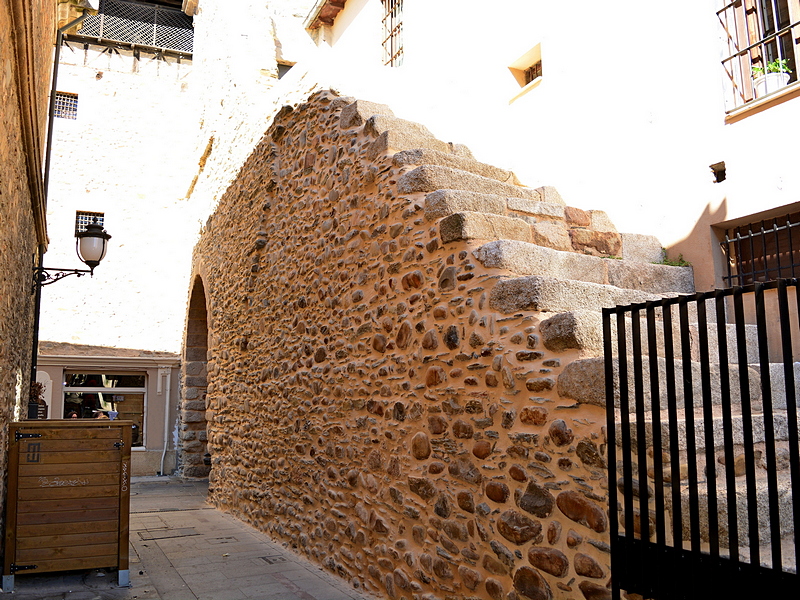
195,459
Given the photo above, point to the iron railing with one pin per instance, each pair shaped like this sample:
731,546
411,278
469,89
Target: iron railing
142,25
393,33
757,32
704,463
763,251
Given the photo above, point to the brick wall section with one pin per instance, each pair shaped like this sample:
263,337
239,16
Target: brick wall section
366,406
26,30
193,401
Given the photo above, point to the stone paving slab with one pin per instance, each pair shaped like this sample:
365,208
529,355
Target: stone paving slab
181,548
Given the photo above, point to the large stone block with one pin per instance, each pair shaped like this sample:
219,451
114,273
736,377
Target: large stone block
357,113
428,178
442,203
548,210
473,225
553,235
554,295
642,248
421,156
529,259
656,279
580,329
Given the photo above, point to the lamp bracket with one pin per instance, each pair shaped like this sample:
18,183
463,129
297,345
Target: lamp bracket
46,276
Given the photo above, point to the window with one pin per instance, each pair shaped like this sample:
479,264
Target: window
84,218
91,395
761,38
527,70
66,106
393,33
763,250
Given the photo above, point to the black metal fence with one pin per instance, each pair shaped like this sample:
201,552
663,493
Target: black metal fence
704,465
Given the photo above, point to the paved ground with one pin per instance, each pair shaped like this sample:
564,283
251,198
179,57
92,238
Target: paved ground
183,549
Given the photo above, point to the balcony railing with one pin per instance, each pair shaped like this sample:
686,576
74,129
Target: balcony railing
142,25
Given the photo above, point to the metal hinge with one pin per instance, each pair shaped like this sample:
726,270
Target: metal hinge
119,445
18,435
15,568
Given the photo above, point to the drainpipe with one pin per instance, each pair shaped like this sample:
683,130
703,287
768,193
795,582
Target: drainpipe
167,371
51,110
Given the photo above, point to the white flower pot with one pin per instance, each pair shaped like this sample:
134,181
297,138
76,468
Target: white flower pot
769,82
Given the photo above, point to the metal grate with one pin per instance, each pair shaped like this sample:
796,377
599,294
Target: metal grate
142,25
763,251
393,33
84,218
66,105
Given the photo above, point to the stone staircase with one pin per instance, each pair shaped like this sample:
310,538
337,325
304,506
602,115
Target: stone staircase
570,263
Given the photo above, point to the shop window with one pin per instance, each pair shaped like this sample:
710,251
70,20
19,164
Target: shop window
93,395
764,250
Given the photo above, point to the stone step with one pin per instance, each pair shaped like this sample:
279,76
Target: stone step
394,135
779,420
547,294
525,258
359,112
584,381
429,178
422,156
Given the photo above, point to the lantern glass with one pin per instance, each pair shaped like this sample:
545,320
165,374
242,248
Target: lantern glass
92,249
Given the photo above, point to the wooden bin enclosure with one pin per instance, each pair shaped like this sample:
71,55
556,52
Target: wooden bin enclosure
68,497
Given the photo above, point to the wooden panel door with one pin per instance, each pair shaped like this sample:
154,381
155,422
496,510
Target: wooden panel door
68,497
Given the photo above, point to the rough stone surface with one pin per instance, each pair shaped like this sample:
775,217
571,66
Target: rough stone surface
579,329
428,178
443,203
641,248
471,225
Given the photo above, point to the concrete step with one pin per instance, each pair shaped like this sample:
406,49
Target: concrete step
429,178
422,156
530,259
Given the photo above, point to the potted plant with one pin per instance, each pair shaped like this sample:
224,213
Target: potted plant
771,78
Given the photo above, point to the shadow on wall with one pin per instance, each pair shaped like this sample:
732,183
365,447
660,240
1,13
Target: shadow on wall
701,247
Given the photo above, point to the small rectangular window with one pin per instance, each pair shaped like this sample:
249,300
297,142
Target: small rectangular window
84,218
393,33
66,105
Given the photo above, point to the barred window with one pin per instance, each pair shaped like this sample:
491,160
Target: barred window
84,218
763,250
393,33
762,38
66,105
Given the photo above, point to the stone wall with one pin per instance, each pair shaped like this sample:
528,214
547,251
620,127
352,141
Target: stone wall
26,34
370,402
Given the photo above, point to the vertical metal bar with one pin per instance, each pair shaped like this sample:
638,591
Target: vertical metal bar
776,230
728,256
611,448
655,408
791,245
625,425
708,430
764,253
747,427
738,259
641,427
672,418
769,429
689,425
752,254
791,405
727,426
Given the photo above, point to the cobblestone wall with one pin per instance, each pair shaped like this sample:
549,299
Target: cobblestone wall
25,45
367,405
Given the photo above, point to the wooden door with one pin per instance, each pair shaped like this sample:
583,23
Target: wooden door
68,497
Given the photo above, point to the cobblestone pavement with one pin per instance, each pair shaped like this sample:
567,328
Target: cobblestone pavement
181,548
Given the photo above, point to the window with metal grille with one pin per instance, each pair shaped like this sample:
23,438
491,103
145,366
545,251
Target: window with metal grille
84,218
763,251
145,25
532,72
762,38
393,32
66,106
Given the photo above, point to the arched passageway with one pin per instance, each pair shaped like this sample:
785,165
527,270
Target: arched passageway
195,460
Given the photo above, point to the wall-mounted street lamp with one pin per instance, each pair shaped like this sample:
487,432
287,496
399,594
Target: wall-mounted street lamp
90,245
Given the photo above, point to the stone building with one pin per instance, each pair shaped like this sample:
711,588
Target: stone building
392,332
26,33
